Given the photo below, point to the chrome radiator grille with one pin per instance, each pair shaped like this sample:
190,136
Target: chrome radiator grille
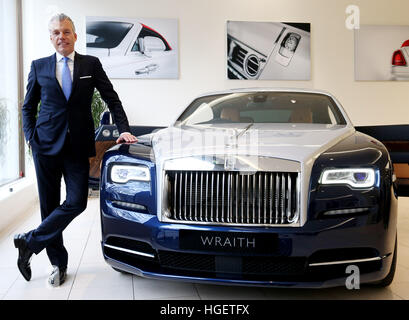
263,198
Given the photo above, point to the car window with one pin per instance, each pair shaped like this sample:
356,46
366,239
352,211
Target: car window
263,107
135,47
202,114
106,34
280,116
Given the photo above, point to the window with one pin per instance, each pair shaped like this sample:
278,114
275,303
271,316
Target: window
277,116
202,114
135,47
263,107
9,91
106,34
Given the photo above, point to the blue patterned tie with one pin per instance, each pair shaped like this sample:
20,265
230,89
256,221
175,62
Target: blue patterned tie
66,79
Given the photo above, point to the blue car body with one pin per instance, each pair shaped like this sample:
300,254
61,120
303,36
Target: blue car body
339,226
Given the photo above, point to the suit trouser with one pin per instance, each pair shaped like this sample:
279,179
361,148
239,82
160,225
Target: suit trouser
56,217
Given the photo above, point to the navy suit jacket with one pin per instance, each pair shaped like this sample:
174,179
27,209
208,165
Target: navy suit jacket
47,133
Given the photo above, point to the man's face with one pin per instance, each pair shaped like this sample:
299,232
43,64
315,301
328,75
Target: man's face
62,37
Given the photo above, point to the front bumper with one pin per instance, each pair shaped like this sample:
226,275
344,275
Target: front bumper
312,256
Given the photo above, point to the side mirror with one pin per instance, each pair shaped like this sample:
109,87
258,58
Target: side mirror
151,44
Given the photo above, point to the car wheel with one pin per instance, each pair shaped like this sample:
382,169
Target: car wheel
389,277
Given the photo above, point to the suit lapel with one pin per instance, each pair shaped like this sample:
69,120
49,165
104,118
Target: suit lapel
77,67
52,72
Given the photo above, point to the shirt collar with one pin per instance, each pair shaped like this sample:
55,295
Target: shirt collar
60,56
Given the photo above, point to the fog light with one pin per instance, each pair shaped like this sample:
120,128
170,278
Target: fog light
129,205
345,211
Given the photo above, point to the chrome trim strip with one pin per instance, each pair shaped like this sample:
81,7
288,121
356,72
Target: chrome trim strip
248,198
228,198
276,195
237,198
201,196
259,197
282,198
217,196
242,199
180,196
130,251
175,193
254,198
196,196
297,200
223,178
207,191
289,197
190,197
231,196
271,197
345,261
265,198
211,198
185,211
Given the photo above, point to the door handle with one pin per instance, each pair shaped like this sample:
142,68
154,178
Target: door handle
147,69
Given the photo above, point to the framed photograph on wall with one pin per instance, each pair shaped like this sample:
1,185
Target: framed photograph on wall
268,50
134,48
382,53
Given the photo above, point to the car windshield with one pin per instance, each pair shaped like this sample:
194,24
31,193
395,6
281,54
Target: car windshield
106,34
262,107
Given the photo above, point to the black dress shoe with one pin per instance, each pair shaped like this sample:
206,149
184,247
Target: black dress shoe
57,276
24,255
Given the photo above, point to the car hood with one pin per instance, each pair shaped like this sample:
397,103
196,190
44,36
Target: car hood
298,142
238,147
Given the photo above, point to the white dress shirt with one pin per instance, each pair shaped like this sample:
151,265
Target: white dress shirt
60,63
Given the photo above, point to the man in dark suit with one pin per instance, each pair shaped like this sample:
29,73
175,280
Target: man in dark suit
62,139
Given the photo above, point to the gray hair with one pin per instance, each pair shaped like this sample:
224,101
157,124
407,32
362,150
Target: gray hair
60,17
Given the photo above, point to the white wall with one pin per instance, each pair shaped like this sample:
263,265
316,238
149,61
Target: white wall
9,170
17,200
202,49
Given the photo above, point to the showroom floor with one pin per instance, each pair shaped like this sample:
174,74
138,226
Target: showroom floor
89,277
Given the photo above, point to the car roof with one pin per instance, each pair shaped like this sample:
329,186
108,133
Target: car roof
267,89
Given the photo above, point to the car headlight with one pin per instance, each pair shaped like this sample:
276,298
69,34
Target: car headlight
125,173
357,178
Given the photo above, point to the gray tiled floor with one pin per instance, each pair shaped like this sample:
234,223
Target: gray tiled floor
89,277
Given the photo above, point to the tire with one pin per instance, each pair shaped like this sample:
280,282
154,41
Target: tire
389,277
